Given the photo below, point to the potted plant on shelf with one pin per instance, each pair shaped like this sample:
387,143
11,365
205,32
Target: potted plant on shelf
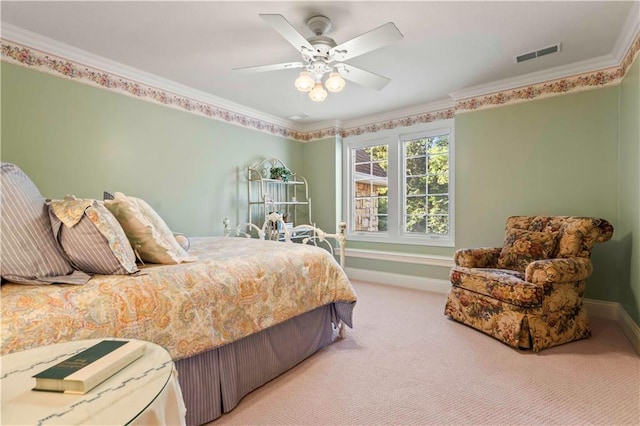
280,173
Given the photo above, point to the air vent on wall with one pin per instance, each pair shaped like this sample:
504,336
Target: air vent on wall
537,53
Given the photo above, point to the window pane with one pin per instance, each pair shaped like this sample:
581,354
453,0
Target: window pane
416,205
363,168
426,200
370,188
416,185
438,204
439,144
416,166
379,169
438,184
378,152
438,164
362,188
362,154
416,224
415,148
438,225
382,224
383,205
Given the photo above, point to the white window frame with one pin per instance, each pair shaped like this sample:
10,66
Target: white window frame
394,139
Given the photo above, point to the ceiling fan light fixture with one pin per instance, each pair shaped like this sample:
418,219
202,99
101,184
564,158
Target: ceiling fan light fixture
318,94
304,82
335,82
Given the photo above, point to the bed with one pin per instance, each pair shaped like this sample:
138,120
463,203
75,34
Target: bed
241,314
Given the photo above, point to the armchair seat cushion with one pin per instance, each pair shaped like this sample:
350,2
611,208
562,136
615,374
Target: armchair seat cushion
501,284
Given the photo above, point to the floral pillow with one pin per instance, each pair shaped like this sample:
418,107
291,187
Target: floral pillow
522,247
91,237
150,237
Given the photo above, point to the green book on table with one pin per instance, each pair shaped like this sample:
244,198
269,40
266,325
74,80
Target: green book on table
87,369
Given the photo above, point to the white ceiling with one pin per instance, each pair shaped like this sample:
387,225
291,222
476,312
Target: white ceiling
448,46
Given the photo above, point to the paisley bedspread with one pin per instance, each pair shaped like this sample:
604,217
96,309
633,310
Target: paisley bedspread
237,287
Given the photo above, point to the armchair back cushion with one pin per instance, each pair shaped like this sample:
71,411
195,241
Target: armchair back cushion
522,247
576,235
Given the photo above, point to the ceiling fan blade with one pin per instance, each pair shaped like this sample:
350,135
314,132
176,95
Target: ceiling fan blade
274,67
288,31
372,40
362,77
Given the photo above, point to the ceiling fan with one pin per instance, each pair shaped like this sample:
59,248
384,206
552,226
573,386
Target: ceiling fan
322,55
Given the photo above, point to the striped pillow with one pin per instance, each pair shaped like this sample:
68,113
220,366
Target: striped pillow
28,248
91,237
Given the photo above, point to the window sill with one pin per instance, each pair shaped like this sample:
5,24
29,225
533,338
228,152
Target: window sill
418,259
413,240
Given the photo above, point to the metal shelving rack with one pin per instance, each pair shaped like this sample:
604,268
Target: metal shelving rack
266,195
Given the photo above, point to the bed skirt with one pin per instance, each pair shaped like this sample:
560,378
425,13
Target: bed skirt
215,381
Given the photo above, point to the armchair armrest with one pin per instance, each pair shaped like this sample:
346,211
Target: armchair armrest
481,257
558,270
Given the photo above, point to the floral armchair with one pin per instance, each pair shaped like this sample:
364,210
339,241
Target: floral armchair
529,292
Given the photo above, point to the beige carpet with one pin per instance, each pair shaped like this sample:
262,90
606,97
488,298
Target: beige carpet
406,363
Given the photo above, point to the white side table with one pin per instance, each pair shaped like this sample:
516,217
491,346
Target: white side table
144,392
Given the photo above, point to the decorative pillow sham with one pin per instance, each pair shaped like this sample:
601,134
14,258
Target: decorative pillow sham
91,237
28,248
149,235
522,247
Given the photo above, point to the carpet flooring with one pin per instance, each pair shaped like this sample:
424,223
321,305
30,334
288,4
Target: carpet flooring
405,363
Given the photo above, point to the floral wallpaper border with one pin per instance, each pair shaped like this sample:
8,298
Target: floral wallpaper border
32,58
426,117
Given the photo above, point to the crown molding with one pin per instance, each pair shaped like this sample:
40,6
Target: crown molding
628,33
400,113
82,57
320,126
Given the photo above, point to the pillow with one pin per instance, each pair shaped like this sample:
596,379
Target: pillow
183,240
149,235
28,249
91,237
522,247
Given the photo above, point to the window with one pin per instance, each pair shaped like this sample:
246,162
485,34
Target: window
371,201
399,187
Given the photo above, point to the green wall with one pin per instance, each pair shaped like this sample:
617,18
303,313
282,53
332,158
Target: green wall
556,156
76,139
318,168
628,229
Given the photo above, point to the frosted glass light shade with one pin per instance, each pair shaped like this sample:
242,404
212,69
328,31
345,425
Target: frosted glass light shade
304,82
318,94
334,83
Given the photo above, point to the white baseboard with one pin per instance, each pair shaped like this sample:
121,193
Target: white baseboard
407,281
597,308
614,311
